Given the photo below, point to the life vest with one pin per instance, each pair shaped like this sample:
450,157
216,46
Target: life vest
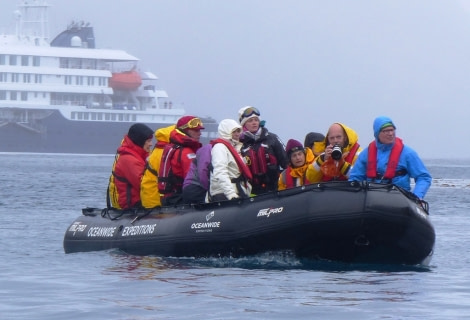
290,181
169,183
332,171
392,164
112,197
244,170
245,173
261,162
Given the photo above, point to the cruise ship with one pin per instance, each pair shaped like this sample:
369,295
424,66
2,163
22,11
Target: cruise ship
67,96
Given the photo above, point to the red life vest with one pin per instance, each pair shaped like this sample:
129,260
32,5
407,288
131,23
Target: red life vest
290,180
392,164
168,182
349,158
244,170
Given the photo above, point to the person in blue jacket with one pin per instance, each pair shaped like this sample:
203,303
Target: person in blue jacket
388,160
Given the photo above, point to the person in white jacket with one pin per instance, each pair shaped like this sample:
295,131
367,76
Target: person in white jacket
230,175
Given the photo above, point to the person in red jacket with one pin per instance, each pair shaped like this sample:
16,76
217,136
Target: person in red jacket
128,168
177,157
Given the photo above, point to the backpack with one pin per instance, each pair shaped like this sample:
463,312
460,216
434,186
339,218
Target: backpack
201,167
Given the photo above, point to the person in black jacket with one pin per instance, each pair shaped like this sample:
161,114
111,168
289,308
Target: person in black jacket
263,151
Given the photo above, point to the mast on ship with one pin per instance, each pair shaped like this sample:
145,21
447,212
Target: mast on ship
32,20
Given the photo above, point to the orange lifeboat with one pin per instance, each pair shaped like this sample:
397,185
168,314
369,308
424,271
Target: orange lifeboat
128,80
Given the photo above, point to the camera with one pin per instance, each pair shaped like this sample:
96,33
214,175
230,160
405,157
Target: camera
336,154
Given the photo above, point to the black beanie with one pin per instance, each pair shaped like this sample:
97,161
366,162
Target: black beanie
312,137
139,133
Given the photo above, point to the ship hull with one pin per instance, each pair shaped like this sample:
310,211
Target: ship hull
56,134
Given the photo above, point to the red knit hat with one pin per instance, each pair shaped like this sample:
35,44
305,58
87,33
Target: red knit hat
189,122
293,146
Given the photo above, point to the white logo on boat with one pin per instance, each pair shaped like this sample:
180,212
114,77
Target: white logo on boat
102,232
139,230
268,211
206,226
209,216
77,227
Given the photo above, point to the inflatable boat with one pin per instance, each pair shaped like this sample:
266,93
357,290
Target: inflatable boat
340,221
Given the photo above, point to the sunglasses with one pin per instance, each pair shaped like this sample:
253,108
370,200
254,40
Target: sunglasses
193,123
248,112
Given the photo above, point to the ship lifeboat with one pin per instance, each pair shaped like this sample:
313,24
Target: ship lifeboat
128,80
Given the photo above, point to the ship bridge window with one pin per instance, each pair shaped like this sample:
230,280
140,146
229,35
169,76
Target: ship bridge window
107,116
100,116
25,60
93,116
79,115
36,61
86,115
12,60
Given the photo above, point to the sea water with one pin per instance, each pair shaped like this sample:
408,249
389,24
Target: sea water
41,194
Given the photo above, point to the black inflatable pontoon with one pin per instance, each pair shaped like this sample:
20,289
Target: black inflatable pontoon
342,221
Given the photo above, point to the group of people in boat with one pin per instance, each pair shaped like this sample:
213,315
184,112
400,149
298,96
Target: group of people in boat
247,160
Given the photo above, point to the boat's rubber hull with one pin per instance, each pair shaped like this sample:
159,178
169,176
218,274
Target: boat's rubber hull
334,221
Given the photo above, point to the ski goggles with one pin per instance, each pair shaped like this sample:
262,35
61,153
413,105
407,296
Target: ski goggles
249,112
194,123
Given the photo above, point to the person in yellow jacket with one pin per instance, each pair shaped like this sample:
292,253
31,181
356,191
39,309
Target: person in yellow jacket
341,151
299,160
149,194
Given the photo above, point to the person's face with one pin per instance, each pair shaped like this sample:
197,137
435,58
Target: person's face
297,158
252,124
194,133
336,135
236,134
387,135
147,145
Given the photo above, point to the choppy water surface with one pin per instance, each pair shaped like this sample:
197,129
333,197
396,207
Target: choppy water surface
42,194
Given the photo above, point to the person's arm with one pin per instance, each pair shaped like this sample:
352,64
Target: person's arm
417,170
358,171
220,162
280,152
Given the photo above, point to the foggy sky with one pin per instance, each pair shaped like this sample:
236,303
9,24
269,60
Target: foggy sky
305,64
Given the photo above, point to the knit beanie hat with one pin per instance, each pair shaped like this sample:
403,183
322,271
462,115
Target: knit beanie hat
293,146
246,113
139,133
312,137
381,123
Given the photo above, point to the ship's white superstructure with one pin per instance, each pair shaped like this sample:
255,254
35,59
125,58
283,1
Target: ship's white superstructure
68,75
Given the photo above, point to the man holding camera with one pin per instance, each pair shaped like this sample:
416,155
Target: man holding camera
342,149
